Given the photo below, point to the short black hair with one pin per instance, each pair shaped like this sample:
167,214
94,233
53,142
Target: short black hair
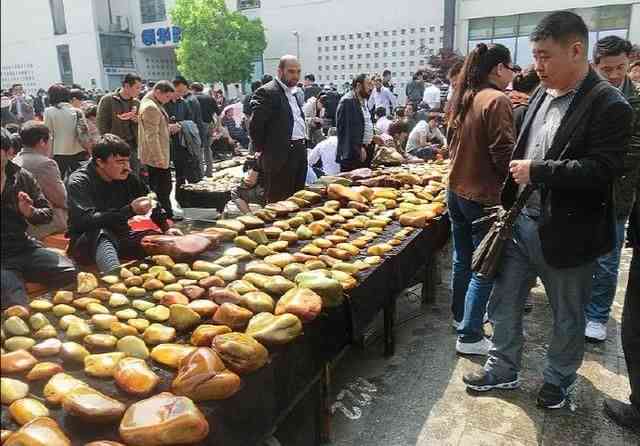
611,46
385,72
5,139
380,112
164,87
16,143
58,93
91,111
131,79
359,79
109,145
310,77
526,82
197,86
32,132
180,80
266,78
255,85
78,94
561,26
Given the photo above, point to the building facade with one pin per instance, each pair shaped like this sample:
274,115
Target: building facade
93,43
510,23
337,39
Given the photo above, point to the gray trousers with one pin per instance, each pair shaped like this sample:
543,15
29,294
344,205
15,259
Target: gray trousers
568,291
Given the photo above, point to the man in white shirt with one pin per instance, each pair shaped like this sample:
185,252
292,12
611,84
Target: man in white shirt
432,95
382,122
381,96
326,151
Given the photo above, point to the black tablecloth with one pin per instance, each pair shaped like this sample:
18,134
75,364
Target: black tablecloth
267,394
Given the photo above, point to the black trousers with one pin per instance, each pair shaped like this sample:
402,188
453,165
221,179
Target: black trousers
290,178
631,328
39,265
160,183
69,163
357,163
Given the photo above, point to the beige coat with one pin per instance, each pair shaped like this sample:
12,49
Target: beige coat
153,133
61,122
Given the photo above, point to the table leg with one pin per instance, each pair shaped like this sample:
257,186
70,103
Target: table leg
429,284
325,405
389,323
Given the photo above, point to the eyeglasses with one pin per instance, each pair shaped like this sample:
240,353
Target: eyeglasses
511,68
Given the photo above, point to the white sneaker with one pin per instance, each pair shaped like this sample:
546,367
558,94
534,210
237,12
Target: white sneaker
456,324
596,331
481,347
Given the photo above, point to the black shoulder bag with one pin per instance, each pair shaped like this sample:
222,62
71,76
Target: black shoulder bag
487,257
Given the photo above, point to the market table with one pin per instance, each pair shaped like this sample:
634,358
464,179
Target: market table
295,370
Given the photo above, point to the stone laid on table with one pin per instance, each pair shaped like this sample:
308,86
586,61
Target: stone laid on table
163,420
120,329
72,351
258,302
233,316
103,321
27,409
15,326
59,385
274,330
91,405
182,317
38,320
19,343
240,352
48,347
134,376
100,341
44,370
203,376
46,332
204,334
133,346
159,334
41,431
12,390
102,365
171,354
204,307
16,362
303,302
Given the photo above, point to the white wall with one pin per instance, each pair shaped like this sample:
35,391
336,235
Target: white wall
27,39
470,9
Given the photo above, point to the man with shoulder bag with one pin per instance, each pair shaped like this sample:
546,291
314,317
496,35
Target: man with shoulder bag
570,150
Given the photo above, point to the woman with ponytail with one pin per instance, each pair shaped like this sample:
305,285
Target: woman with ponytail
481,131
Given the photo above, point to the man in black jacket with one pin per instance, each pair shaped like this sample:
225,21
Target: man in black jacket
182,88
311,89
569,221
355,127
209,110
22,257
277,131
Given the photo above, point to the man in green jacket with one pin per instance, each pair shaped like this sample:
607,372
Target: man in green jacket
611,60
118,114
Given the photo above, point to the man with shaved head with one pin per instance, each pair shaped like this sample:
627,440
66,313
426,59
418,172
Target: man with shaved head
278,132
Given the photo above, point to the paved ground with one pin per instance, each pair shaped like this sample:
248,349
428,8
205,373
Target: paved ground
417,397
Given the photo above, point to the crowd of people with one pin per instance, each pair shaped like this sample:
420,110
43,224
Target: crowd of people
564,133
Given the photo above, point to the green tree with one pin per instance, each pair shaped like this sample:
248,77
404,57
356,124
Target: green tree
217,45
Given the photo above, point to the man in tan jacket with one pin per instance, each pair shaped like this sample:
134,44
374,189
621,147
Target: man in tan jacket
153,141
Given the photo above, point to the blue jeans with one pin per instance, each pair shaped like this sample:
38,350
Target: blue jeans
568,291
470,293
605,280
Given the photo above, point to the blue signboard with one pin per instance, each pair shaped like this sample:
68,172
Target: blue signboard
162,36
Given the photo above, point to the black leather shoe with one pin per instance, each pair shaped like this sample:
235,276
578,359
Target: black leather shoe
551,396
623,414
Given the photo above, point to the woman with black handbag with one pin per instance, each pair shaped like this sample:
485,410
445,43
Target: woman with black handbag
480,122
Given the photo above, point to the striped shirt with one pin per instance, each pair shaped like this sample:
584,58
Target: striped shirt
543,130
367,136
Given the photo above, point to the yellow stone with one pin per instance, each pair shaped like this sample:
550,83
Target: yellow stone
27,409
171,354
102,365
59,385
133,347
12,390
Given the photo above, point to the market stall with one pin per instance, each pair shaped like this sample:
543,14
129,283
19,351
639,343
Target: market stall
97,358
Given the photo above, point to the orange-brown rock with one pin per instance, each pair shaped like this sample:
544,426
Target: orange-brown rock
203,376
240,352
233,316
134,376
41,431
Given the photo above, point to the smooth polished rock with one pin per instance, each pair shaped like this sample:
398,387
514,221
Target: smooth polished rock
258,302
182,317
232,316
12,390
203,376
44,370
19,343
303,302
134,376
38,320
59,385
72,351
240,352
120,329
102,365
204,334
163,420
41,431
159,334
133,346
15,326
204,307
87,282
100,341
91,405
27,409
274,330
48,347
103,321
171,354
17,361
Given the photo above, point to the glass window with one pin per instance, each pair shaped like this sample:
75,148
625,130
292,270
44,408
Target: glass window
342,57
386,33
441,27
402,42
376,45
350,36
319,49
394,32
403,31
509,42
335,37
368,35
368,56
505,26
375,65
423,29
385,54
342,47
402,63
342,67
359,56
432,40
614,17
319,57
402,53
412,31
376,34
359,35
385,44
524,56
351,46
64,64
393,64
243,4
359,46
411,63
335,47
58,17
326,38
335,57
368,65
528,22
319,67
350,56
116,50
473,43
326,48
480,28
622,33
368,45
590,17
342,37
412,42
376,54
393,43
412,53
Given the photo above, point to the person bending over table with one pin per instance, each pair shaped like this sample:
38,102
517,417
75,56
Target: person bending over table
102,196
22,257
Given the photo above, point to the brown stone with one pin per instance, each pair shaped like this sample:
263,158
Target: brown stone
204,334
193,292
59,385
42,431
204,307
134,376
17,310
240,352
102,365
44,370
232,316
224,295
303,302
203,376
17,361
27,409
171,354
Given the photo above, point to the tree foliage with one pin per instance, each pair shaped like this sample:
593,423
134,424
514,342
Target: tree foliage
443,61
217,45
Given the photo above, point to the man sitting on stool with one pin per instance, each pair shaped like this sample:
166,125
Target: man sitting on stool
103,195
23,257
